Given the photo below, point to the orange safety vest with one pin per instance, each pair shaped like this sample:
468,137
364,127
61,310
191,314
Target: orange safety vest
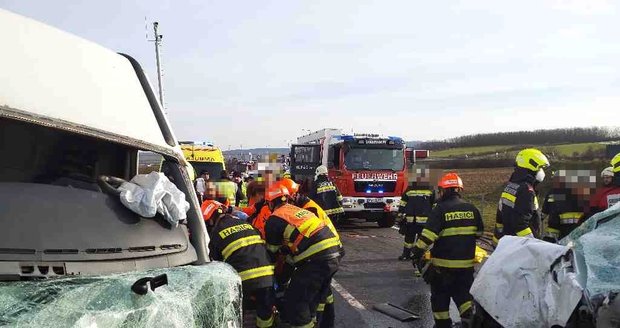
322,215
261,218
249,210
302,220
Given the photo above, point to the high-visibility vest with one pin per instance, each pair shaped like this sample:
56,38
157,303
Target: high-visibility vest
260,219
322,215
301,220
227,189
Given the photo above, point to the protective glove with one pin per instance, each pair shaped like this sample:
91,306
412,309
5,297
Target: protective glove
402,227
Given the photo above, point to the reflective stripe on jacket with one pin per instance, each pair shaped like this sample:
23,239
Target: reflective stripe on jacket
237,243
417,205
564,213
517,207
327,196
312,206
452,228
301,234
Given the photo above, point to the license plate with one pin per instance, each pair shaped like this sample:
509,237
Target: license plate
374,200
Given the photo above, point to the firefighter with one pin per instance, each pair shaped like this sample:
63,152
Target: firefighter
313,249
326,314
237,243
258,211
452,228
327,195
609,194
415,205
562,209
517,212
305,202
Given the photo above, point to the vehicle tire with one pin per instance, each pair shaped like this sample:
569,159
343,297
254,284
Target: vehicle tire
387,220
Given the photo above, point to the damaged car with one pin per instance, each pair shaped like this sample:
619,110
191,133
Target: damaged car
86,241
532,283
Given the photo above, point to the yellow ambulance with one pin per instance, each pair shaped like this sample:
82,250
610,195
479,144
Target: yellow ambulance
203,156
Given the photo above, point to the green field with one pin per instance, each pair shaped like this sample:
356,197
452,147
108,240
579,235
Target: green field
566,150
570,149
470,151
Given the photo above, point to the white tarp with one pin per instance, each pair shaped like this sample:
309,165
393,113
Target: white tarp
148,194
515,285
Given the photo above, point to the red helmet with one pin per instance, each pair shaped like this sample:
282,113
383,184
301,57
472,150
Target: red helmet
450,180
275,191
209,207
291,186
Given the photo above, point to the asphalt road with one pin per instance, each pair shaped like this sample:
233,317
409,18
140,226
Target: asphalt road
371,274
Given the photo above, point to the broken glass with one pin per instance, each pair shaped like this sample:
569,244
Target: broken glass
196,296
598,240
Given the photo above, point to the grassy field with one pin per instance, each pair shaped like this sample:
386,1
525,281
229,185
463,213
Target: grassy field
483,188
470,151
567,150
570,149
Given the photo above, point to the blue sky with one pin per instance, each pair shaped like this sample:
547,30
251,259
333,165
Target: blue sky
255,73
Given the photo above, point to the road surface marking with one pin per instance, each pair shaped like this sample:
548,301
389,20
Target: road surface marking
347,296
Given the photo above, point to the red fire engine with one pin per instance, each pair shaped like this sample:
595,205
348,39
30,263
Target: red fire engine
368,169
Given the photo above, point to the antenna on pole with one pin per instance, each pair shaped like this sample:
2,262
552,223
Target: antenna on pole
157,41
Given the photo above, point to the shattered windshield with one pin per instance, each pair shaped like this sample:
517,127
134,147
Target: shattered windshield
195,296
598,240
374,159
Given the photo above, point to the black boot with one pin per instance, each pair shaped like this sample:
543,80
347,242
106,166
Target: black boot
406,255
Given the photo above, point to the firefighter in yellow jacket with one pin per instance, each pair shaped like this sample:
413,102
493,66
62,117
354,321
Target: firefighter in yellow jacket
518,213
313,248
452,228
326,314
325,193
237,243
415,205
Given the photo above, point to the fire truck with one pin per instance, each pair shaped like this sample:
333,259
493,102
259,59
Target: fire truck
368,170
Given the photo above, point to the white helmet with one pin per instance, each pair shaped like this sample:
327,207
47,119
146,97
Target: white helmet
607,172
321,170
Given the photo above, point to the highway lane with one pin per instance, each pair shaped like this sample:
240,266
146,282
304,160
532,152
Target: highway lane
371,274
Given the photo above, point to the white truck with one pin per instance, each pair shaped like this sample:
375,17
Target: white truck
74,117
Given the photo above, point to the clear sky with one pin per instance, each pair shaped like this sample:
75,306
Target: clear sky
257,73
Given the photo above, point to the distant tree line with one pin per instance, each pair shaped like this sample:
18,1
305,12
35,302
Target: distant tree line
536,137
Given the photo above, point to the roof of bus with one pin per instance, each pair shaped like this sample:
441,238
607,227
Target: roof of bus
53,77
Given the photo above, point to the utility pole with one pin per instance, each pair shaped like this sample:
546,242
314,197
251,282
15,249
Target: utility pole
157,41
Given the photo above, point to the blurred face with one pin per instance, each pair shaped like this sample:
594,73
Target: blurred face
237,179
270,177
607,180
210,191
